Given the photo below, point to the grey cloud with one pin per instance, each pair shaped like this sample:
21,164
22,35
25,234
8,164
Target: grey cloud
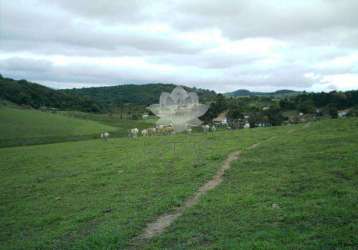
22,64
268,18
206,60
311,31
110,11
34,29
91,75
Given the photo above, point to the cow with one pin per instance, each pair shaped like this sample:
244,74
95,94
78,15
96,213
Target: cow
188,131
165,130
160,129
213,128
152,131
144,132
105,136
134,132
168,130
205,128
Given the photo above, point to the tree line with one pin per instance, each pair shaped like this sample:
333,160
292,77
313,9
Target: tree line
272,111
24,93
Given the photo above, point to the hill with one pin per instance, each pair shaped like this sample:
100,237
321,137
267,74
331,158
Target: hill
35,95
277,94
130,98
145,94
26,126
296,189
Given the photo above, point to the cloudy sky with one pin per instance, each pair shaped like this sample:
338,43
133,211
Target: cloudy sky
223,45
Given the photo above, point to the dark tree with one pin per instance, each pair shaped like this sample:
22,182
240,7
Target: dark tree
333,111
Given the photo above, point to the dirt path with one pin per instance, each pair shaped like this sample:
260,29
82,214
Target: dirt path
162,222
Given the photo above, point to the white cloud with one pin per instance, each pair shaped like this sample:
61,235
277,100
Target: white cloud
226,45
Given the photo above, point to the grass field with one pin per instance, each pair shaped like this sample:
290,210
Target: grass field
114,120
95,194
25,126
299,191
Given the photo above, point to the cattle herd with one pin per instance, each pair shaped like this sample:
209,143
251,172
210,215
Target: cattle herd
165,130
158,130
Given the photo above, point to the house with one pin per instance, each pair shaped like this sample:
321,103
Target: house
221,119
343,113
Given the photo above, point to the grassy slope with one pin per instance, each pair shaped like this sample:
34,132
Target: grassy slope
93,194
96,193
24,126
122,125
311,174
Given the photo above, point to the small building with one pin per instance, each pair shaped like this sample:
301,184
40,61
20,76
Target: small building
221,119
265,108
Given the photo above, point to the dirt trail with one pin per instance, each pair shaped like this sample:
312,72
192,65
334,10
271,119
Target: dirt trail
162,222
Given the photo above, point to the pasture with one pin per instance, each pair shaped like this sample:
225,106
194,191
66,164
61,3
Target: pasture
98,194
114,120
28,126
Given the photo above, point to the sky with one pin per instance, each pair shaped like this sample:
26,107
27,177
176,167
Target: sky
223,45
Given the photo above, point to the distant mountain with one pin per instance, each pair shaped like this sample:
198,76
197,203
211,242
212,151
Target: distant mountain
35,95
278,93
145,94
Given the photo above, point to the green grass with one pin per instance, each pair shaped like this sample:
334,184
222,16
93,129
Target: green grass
26,126
311,174
122,125
96,193
99,195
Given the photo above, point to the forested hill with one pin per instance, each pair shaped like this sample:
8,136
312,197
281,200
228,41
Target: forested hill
35,95
278,93
145,94
97,99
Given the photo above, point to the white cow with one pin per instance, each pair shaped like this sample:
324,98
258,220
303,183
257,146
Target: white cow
205,128
165,130
105,136
152,131
144,132
213,128
188,131
160,129
168,130
134,132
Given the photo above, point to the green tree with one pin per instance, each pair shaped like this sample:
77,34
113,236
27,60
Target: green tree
333,111
307,107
